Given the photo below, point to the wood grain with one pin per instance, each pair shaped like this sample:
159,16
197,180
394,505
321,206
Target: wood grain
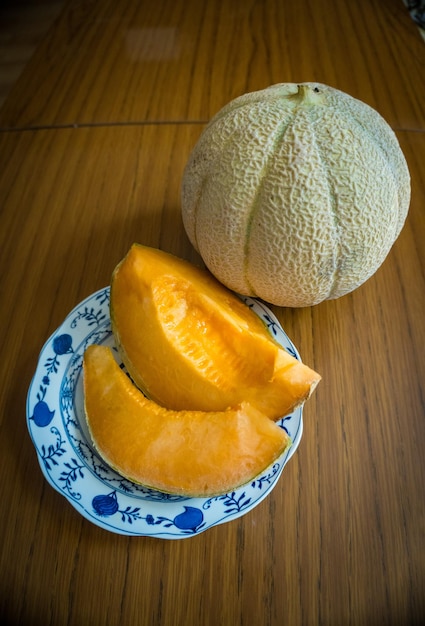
183,61
339,541
24,24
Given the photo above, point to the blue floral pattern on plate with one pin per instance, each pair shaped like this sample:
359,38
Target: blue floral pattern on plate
56,423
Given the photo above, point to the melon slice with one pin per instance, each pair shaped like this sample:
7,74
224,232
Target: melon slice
190,343
190,453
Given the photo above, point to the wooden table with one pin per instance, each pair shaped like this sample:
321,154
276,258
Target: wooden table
93,142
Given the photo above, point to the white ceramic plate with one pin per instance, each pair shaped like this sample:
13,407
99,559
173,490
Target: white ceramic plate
56,423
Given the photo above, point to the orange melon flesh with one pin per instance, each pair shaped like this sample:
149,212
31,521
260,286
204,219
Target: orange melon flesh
190,453
190,343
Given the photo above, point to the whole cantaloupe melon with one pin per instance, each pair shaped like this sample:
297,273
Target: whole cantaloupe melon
295,194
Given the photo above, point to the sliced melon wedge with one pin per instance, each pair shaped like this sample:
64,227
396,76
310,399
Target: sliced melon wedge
190,343
189,453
